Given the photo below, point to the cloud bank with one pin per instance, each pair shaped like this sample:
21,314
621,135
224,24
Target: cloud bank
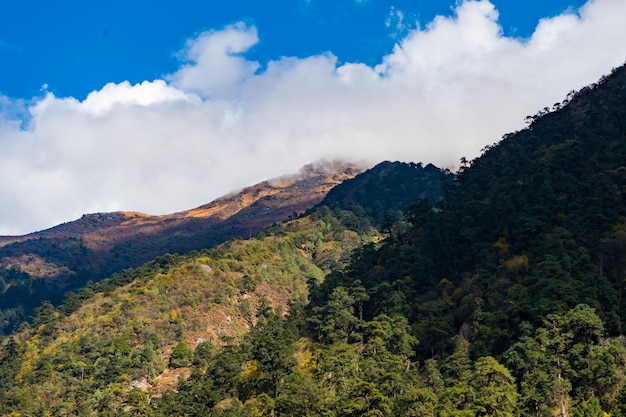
221,122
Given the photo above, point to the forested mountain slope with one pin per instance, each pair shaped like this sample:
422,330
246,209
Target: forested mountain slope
138,328
524,260
383,195
502,299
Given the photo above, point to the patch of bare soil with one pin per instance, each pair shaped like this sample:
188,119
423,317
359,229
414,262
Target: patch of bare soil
168,380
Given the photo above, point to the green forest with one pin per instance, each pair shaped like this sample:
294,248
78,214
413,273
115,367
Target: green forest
494,293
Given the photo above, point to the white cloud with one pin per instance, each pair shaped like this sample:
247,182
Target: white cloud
123,94
213,64
219,123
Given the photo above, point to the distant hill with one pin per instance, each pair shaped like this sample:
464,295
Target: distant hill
45,265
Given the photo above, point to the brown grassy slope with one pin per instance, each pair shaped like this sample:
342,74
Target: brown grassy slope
100,244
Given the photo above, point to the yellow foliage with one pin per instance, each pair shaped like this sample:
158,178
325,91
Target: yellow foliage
62,339
226,403
305,358
250,371
51,349
173,315
30,357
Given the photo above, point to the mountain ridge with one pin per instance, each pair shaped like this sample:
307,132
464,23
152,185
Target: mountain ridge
49,263
304,189
309,176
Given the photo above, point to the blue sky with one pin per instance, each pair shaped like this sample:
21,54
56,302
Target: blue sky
77,46
163,106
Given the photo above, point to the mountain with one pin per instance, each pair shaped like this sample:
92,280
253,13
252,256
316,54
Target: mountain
136,328
45,265
383,195
516,276
99,244
532,227
124,335
502,298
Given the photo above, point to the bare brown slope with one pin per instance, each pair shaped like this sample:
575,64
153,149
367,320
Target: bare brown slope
100,244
